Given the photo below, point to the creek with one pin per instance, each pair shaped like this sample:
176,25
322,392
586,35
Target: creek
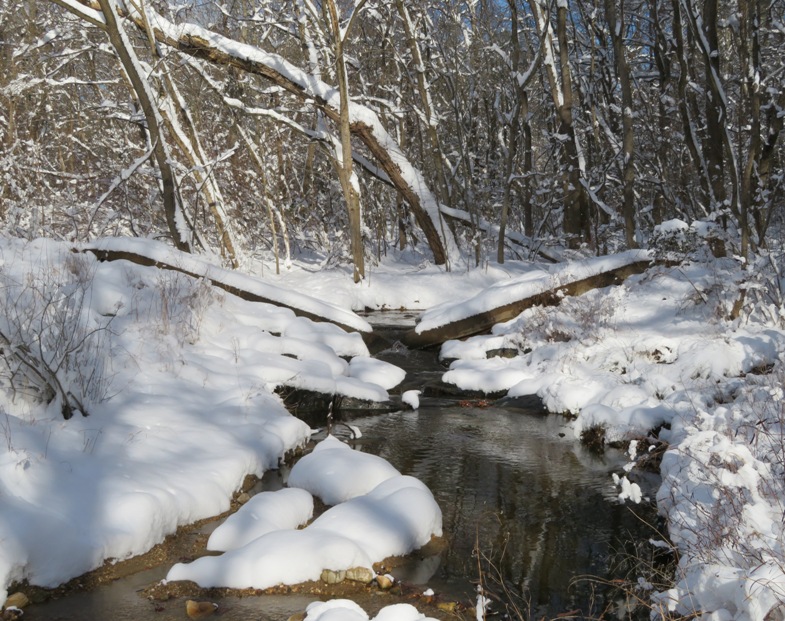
516,487
526,509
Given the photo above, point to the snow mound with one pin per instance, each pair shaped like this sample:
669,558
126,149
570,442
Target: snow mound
397,517
178,378
279,557
392,518
335,473
347,610
262,514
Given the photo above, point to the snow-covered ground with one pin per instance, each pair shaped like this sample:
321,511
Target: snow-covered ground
178,381
664,351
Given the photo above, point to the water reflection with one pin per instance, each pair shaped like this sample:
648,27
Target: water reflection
539,504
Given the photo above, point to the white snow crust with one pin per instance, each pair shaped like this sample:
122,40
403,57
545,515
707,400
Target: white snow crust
378,513
188,411
182,407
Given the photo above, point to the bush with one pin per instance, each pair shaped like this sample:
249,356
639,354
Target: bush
52,346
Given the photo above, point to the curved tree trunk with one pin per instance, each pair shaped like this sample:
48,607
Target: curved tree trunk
175,218
349,182
364,123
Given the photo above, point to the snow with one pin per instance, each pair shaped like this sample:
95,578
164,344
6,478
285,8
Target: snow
374,371
378,513
279,557
264,513
411,398
346,610
335,473
182,408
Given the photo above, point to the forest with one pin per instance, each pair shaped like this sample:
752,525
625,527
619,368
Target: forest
209,206
487,129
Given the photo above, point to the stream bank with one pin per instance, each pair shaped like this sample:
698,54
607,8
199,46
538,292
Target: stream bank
527,510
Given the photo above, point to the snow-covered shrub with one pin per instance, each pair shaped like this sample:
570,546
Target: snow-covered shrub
764,291
181,302
581,318
727,523
676,241
53,346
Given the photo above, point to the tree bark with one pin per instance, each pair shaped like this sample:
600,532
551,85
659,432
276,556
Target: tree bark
577,225
363,122
175,218
687,118
349,182
513,128
423,87
616,24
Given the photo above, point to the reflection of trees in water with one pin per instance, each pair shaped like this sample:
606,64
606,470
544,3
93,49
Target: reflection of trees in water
540,508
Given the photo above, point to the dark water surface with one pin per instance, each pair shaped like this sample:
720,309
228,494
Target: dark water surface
516,486
539,505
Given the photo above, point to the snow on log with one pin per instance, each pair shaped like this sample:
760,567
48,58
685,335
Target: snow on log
506,300
148,252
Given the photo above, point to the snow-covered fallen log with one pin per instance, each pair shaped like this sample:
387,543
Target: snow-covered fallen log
506,300
148,252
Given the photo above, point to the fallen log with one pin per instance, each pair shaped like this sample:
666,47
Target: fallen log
150,253
506,300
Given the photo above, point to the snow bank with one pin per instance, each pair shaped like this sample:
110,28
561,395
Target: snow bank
177,378
659,350
346,610
381,514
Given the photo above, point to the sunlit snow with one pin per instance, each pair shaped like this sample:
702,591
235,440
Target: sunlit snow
185,409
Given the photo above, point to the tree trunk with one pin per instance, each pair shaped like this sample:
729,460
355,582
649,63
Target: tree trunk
577,225
713,146
364,123
349,182
423,87
687,118
175,218
616,25
513,126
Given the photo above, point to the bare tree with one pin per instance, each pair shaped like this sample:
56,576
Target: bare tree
349,182
616,25
558,73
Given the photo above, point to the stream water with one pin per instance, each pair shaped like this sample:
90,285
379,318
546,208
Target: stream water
513,485
539,506
516,487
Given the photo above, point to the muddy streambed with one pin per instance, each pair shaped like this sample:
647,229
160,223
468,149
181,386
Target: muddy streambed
527,510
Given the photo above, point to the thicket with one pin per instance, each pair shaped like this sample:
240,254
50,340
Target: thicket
573,123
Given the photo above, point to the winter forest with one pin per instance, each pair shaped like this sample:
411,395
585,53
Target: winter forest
490,128
579,205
